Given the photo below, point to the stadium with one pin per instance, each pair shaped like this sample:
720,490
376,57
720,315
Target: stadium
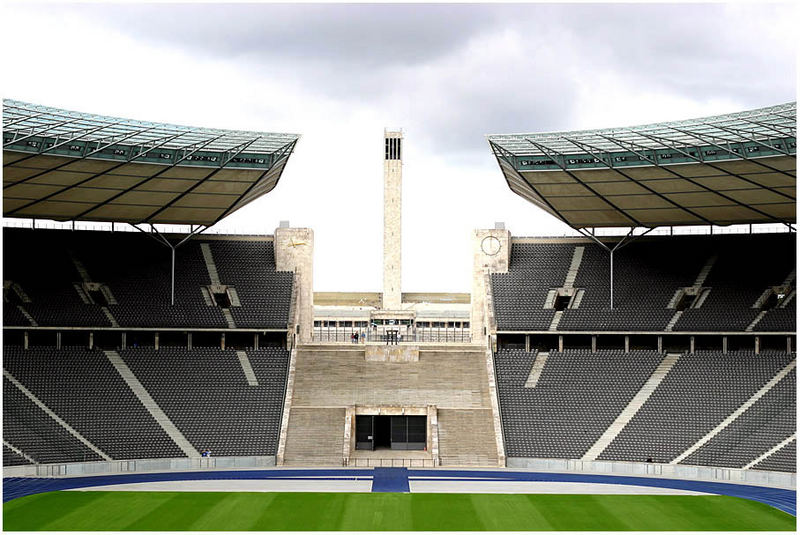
638,380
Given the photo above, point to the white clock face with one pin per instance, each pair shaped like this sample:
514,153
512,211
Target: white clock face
491,245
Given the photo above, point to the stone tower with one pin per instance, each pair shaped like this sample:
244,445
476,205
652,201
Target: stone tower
392,204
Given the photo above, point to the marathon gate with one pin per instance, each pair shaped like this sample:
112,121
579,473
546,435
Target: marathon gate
391,432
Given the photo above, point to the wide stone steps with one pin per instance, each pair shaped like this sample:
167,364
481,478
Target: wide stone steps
342,378
466,438
315,437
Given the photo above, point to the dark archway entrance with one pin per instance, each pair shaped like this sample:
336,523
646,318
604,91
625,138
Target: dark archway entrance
391,432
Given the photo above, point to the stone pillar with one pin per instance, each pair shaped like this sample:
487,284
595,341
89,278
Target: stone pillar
594,343
758,344
691,345
491,252
788,344
124,341
294,251
627,344
255,341
155,341
25,340
528,343
222,342
560,343
58,340
660,344
724,345
91,340
392,219
189,341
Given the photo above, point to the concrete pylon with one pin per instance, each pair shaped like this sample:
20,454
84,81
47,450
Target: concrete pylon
392,224
491,253
294,251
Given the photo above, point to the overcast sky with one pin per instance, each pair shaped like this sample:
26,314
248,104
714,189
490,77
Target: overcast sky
447,74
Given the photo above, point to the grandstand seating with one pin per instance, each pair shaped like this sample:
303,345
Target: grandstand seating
136,269
203,391
767,423
250,268
206,395
12,458
647,274
84,389
698,393
31,430
579,394
784,460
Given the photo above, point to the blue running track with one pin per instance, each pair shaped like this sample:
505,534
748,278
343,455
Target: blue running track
397,480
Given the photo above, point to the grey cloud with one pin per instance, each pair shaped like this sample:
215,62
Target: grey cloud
380,55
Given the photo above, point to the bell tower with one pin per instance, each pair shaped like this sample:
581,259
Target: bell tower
392,205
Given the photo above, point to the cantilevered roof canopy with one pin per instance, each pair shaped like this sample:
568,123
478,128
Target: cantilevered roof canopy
66,165
729,169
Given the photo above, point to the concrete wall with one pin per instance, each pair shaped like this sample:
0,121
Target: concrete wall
491,253
138,465
678,471
294,251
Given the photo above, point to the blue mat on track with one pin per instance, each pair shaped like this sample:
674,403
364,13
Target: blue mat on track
390,480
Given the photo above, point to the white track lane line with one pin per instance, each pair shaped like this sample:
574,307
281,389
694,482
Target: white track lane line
241,485
540,487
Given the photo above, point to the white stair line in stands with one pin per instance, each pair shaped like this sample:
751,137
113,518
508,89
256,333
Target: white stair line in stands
788,299
287,405
110,316
247,368
636,403
703,275
81,293
674,320
774,449
234,297
228,317
54,416
735,414
753,323
150,404
536,369
81,269
556,320
572,273
19,452
28,316
789,278
210,265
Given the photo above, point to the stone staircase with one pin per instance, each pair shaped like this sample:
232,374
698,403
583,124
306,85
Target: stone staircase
329,379
703,275
556,320
466,438
247,368
574,266
753,323
536,369
315,437
210,265
632,408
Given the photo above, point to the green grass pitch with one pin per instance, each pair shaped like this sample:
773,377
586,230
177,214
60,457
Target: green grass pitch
292,511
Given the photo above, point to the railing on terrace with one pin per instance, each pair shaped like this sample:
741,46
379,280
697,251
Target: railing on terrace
424,334
390,463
